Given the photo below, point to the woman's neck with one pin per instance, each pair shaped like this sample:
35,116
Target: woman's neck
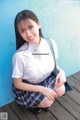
37,44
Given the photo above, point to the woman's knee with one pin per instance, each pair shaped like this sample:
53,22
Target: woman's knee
60,90
45,103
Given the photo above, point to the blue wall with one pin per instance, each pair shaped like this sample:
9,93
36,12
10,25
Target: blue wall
60,20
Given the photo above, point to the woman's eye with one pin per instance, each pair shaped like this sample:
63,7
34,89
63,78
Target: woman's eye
30,27
22,31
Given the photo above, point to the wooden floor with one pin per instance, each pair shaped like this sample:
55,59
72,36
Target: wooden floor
65,108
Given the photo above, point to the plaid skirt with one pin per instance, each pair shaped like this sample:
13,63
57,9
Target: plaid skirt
32,99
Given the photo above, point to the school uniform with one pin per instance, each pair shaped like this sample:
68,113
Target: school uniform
35,65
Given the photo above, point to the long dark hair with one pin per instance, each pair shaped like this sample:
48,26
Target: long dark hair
23,15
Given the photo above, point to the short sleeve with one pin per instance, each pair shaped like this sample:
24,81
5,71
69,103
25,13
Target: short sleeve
17,67
55,48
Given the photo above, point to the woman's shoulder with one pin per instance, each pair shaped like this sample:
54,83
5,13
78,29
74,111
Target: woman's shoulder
23,47
54,46
16,56
52,41
20,51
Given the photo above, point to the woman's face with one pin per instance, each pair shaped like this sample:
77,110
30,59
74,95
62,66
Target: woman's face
29,30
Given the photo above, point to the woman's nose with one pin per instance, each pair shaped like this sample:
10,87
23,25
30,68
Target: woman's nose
28,32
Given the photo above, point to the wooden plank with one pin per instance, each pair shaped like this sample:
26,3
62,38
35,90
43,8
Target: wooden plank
45,116
11,114
77,75
61,113
20,111
70,106
75,96
74,83
23,113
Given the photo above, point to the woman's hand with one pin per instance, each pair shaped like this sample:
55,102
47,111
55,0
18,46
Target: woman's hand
49,93
60,79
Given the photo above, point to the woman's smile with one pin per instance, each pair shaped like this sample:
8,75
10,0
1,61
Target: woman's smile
29,30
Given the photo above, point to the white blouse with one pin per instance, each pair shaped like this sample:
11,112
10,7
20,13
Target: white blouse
33,63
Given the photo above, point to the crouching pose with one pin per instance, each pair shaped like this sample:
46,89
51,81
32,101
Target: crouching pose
34,83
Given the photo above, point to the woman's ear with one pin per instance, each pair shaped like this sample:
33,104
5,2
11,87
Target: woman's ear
39,25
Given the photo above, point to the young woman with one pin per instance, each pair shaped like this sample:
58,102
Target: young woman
35,85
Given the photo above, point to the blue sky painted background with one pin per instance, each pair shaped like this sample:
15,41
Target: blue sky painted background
60,20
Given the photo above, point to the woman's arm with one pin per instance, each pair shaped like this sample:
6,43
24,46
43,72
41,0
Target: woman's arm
19,84
60,70
60,79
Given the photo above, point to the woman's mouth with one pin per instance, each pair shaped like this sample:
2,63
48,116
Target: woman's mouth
31,38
